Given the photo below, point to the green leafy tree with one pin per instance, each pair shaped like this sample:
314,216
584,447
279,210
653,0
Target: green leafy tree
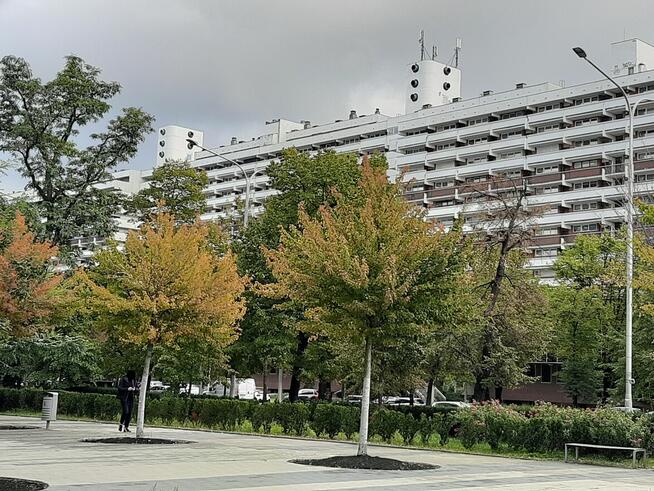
40,124
579,315
364,271
49,359
175,188
594,265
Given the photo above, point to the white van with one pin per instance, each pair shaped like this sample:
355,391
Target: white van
246,388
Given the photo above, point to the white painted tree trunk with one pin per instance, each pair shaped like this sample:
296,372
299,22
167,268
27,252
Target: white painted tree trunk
280,380
232,386
365,402
143,391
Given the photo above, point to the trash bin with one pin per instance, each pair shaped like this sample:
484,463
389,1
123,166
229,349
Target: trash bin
49,408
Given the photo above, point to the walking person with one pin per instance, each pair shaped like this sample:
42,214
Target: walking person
126,389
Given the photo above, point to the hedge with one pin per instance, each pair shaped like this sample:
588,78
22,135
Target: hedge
540,429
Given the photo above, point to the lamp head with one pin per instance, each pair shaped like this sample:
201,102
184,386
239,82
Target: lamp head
192,142
579,52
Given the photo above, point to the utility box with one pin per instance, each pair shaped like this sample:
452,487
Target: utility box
49,408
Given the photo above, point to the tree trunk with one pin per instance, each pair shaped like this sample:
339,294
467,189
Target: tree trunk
343,391
430,392
143,392
232,386
411,398
498,393
365,401
265,384
280,388
302,343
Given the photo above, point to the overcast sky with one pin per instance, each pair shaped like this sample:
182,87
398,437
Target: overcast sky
225,67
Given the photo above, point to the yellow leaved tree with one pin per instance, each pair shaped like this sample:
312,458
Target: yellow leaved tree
167,285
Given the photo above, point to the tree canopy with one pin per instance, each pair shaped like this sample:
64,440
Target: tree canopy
175,188
40,126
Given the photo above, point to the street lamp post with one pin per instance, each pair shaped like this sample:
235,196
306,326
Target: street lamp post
248,179
629,176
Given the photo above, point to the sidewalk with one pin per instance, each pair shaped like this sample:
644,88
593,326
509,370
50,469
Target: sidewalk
220,461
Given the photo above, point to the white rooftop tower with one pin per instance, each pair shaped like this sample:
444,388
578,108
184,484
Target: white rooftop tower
172,143
431,83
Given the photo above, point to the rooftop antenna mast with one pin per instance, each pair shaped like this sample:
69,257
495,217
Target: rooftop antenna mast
422,45
434,52
457,51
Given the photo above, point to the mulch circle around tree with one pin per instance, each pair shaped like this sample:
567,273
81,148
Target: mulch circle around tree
15,484
366,462
16,427
138,441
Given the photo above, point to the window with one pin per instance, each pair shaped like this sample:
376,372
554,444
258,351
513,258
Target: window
584,164
475,179
548,107
513,114
444,203
548,127
585,206
510,134
509,155
474,141
443,184
548,169
645,177
583,143
586,184
473,122
443,146
409,151
476,160
544,232
587,227
553,252
586,100
547,189
581,122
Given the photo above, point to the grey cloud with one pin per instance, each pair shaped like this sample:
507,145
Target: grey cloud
227,66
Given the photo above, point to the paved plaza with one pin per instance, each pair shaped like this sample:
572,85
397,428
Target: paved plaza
220,461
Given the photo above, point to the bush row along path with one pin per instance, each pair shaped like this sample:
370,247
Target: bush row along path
222,461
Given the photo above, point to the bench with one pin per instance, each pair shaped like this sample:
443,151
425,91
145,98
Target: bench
634,450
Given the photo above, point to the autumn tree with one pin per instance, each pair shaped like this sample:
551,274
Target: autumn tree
366,271
27,279
304,179
175,188
166,286
40,123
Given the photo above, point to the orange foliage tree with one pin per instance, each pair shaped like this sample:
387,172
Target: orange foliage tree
27,279
167,285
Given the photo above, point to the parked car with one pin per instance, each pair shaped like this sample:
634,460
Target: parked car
450,404
307,395
404,401
354,399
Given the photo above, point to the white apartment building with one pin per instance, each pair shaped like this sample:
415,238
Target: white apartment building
568,144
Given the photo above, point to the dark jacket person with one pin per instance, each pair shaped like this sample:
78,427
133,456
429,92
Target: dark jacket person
126,389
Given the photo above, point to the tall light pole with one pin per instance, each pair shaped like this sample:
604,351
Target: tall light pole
248,179
629,176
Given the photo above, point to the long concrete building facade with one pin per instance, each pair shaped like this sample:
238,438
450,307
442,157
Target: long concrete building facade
565,146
